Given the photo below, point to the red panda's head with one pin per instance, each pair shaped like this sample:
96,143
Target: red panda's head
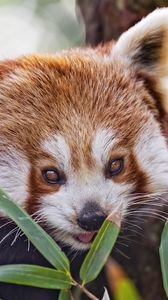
83,130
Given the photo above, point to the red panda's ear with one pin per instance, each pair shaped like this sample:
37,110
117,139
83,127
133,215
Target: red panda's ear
145,47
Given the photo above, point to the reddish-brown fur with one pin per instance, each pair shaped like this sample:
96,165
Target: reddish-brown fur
68,94
74,94
71,93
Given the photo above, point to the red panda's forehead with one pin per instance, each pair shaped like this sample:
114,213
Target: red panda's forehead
73,96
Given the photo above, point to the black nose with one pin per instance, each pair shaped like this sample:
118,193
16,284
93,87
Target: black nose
91,220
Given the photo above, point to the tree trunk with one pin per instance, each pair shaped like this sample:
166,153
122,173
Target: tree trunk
107,19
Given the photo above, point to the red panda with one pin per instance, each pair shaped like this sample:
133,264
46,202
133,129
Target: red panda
83,130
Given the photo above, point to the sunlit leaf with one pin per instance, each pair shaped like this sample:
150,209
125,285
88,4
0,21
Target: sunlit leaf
126,291
119,283
164,257
39,238
99,251
37,276
64,295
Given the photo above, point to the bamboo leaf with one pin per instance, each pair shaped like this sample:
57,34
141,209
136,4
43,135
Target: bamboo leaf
106,295
99,251
126,290
37,276
64,295
164,256
39,238
119,283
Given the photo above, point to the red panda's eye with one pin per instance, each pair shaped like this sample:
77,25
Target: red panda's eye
53,176
115,167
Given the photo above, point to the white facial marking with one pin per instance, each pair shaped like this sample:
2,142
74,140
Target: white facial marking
14,172
152,153
58,208
103,142
163,84
62,208
57,147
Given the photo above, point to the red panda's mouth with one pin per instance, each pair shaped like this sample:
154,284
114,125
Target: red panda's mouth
86,237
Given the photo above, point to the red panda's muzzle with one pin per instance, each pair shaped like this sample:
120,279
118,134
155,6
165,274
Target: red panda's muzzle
91,217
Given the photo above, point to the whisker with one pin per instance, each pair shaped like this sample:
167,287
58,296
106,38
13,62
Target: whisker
148,209
74,256
9,222
122,244
28,245
132,224
16,236
8,234
147,203
150,214
121,253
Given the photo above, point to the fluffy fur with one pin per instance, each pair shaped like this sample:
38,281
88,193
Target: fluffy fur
77,111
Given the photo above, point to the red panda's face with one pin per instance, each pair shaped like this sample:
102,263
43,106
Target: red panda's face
80,134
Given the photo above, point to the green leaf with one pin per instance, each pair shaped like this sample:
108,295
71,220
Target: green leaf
126,291
35,276
164,257
99,251
39,238
64,295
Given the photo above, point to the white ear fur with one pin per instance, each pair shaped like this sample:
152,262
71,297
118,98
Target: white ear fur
150,31
145,46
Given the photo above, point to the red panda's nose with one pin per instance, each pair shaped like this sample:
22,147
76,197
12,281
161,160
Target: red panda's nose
91,219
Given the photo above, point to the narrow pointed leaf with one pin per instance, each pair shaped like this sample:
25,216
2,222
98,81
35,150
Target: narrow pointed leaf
64,295
106,295
37,276
39,238
99,251
164,257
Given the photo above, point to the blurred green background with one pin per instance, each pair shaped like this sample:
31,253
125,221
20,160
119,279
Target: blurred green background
29,26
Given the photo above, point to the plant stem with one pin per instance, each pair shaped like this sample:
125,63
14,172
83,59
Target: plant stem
71,297
89,294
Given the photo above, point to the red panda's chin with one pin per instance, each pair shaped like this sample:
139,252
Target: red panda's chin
80,241
75,243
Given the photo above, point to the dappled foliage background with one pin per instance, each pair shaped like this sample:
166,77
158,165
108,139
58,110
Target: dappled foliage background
38,26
